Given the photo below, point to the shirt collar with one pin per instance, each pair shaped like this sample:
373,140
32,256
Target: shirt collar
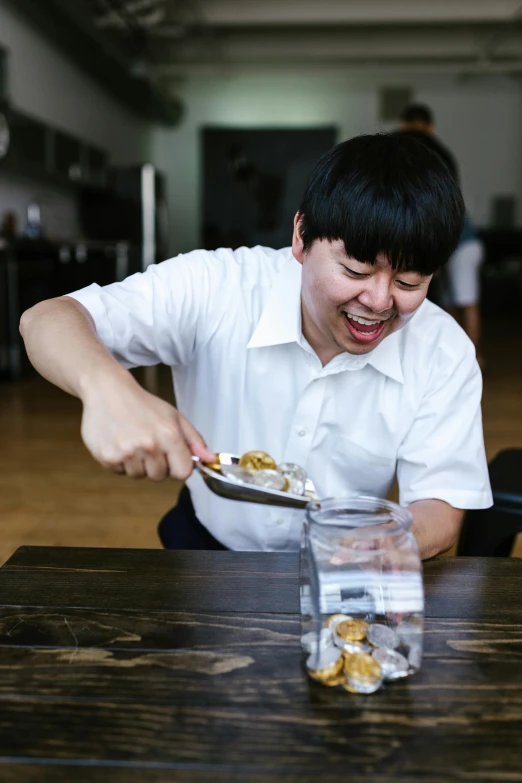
280,320
280,323
386,358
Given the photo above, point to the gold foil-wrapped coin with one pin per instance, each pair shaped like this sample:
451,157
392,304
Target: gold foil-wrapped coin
339,679
324,675
348,687
352,630
361,667
213,465
257,460
329,664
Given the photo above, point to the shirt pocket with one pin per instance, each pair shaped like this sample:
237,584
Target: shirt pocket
354,468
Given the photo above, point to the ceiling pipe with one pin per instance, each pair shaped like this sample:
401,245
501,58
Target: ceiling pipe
70,26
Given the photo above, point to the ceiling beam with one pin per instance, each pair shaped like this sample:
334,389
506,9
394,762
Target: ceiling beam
293,46
354,12
69,25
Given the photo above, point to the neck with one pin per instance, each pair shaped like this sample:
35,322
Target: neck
323,346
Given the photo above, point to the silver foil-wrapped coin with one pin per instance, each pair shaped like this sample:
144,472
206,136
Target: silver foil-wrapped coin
381,636
322,659
295,475
366,686
350,647
270,479
309,640
393,664
237,473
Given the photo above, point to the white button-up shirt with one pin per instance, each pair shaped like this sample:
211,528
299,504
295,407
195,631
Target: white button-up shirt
229,325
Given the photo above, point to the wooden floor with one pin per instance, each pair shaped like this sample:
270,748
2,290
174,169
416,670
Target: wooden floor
53,493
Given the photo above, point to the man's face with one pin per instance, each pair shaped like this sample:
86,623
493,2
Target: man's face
352,306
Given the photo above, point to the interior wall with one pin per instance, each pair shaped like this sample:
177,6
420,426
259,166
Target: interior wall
480,119
48,86
44,83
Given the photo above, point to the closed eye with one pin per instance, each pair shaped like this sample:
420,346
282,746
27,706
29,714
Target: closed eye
408,285
352,273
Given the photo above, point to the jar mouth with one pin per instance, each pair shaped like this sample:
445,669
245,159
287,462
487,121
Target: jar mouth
361,514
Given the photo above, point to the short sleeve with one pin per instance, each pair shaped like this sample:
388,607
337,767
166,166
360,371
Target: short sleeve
162,315
442,456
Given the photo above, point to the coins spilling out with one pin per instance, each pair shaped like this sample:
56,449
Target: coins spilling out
259,468
354,654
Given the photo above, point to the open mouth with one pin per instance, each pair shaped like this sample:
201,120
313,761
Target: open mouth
362,329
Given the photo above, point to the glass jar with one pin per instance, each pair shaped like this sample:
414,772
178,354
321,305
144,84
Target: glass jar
361,593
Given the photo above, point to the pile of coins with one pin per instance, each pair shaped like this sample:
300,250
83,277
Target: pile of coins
259,468
354,654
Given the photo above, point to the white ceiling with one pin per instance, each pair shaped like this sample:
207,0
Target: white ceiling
183,35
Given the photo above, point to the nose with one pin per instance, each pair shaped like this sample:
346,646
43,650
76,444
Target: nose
376,295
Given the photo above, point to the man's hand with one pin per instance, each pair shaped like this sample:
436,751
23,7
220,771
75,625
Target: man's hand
130,431
436,526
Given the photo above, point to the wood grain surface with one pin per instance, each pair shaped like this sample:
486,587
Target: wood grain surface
182,666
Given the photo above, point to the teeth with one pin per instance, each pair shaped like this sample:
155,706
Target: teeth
360,320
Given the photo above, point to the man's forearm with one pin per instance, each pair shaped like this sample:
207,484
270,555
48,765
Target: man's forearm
436,526
62,344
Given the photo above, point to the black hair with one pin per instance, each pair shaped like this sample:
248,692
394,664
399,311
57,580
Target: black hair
417,112
387,193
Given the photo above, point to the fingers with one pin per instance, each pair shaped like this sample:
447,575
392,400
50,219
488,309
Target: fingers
161,445
140,465
180,463
195,441
156,468
135,466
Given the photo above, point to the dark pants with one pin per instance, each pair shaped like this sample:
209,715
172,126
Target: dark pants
181,529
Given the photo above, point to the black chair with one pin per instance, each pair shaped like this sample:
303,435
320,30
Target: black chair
492,531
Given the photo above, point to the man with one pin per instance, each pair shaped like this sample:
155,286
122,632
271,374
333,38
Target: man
325,354
460,292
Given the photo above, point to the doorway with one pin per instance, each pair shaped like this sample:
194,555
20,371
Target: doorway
253,181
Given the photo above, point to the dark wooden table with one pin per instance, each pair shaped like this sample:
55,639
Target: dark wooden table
136,666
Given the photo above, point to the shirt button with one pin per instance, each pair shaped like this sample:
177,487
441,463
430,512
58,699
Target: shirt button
279,521
301,433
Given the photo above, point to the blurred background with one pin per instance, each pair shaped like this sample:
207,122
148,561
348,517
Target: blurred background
132,130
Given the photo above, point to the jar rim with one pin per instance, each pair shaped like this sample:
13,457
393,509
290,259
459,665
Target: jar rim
399,515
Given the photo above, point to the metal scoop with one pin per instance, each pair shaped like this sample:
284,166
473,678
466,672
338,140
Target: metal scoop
250,493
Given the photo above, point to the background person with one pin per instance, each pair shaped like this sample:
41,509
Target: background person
460,281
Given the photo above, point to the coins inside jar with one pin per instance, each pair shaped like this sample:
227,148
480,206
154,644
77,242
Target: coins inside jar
257,460
367,650
393,664
381,636
347,647
325,664
333,621
309,640
363,672
352,630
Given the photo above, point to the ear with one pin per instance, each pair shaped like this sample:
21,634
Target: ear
297,242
